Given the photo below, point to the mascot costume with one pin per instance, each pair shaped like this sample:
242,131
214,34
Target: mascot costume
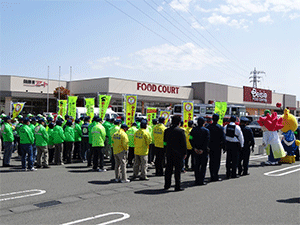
289,141
270,125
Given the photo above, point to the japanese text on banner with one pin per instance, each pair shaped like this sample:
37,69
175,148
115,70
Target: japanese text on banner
188,112
104,101
220,109
131,103
72,106
151,115
62,108
90,105
166,115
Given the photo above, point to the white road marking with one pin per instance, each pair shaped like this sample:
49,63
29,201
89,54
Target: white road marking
39,192
271,173
223,162
125,216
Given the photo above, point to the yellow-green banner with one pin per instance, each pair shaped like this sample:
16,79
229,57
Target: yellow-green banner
165,114
90,105
62,108
104,101
188,112
17,108
220,109
72,106
151,115
130,108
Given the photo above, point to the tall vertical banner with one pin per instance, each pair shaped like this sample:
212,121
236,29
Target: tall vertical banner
130,108
220,109
72,106
17,108
90,105
104,101
165,114
62,108
151,115
188,112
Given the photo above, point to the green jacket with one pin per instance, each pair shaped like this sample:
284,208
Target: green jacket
26,135
130,133
41,135
69,134
78,132
113,130
50,134
107,125
58,135
98,135
7,132
18,126
91,125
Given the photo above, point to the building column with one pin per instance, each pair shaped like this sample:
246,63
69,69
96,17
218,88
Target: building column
7,105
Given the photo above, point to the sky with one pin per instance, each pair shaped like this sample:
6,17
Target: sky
173,42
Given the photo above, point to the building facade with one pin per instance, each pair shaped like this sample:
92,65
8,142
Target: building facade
38,94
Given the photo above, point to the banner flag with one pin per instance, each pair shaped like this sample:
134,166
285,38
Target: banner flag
220,109
62,108
90,105
17,108
104,101
130,109
151,115
188,112
165,114
72,106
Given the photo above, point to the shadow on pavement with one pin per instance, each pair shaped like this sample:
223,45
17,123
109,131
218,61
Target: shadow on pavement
99,182
75,167
290,200
152,191
81,171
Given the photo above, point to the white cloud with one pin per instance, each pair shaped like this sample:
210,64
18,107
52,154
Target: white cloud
294,16
265,19
164,58
99,64
160,8
180,5
218,19
195,24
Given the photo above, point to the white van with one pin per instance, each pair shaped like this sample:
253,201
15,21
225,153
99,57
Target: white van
81,111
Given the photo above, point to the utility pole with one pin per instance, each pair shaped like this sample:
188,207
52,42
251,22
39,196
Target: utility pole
255,78
48,90
59,82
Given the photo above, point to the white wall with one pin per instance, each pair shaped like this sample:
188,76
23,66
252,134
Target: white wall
235,95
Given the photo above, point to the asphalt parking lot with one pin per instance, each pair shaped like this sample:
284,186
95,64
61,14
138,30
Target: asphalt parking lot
73,194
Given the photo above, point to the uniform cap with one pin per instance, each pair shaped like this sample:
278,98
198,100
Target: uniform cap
6,118
244,119
124,126
161,119
232,119
26,119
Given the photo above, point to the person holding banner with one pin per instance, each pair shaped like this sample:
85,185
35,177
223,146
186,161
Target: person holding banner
189,147
216,144
98,138
8,140
158,134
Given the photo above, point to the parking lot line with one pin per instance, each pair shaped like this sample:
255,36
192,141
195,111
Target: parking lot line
39,192
272,173
125,216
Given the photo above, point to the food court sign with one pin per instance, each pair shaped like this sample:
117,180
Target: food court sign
257,95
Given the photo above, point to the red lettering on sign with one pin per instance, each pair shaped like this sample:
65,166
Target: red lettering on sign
154,88
138,86
159,88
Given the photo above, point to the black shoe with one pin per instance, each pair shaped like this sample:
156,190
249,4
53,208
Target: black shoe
38,166
245,174
203,183
46,167
235,176
6,165
145,178
179,189
166,188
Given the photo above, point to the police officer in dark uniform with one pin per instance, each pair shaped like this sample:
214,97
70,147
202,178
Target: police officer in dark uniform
199,139
216,144
234,143
85,138
297,135
248,143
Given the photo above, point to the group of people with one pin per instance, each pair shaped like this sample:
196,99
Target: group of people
42,142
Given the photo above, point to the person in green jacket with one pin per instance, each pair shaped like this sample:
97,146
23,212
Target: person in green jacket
8,140
113,130
98,138
77,143
58,140
41,142
130,133
51,146
107,145
32,125
90,151
26,141
69,141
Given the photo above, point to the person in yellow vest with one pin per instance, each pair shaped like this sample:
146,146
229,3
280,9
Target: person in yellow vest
160,151
189,147
142,140
120,147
